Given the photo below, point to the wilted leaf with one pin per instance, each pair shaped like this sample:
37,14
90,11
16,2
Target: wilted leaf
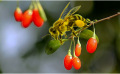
52,46
87,34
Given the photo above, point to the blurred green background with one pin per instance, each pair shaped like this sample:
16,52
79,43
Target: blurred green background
23,50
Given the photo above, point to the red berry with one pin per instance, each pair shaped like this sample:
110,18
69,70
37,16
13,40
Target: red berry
27,18
76,63
38,21
68,62
18,14
78,50
91,45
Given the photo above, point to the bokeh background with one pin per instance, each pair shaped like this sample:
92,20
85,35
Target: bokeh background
23,50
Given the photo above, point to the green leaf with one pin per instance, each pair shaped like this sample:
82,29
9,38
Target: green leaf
52,46
87,34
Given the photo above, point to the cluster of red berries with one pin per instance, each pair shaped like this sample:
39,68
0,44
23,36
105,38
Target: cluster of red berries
70,61
26,18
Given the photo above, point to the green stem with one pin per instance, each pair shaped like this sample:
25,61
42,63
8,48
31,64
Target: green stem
94,31
78,40
74,48
31,6
17,3
35,5
69,51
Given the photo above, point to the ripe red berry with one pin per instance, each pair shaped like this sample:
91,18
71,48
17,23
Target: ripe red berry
76,63
38,21
18,14
78,49
68,62
91,45
27,18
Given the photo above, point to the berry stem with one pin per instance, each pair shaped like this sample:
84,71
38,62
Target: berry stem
34,4
69,51
78,41
17,3
31,6
94,31
74,48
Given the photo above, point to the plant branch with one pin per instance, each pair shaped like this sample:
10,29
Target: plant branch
91,23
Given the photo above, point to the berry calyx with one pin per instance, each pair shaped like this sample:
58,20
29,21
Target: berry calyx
91,45
76,63
27,18
18,14
38,21
68,62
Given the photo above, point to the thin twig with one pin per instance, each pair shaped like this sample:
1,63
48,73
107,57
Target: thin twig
96,22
